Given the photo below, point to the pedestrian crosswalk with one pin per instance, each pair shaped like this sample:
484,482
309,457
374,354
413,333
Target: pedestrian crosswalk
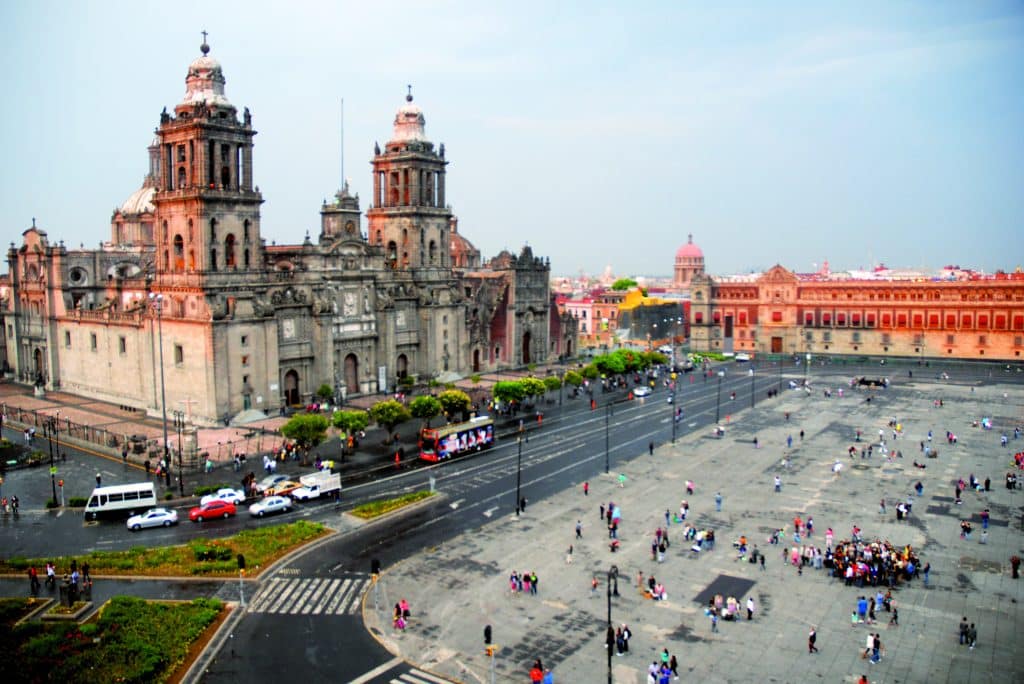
310,596
418,677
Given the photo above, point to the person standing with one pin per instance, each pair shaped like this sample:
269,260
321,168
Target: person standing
963,630
778,484
579,530
98,479
972,636
876,649
926,570
750,607
1015,566
718,501
586,491
650,448
812,638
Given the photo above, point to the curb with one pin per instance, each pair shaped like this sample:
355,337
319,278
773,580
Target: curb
226,630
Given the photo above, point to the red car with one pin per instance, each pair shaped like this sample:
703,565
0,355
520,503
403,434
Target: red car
213,509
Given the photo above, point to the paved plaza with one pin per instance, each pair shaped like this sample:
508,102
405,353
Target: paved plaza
457,588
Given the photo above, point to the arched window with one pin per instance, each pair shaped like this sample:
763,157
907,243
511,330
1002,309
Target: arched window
245,259
229,251
245,230
392,254
433,253
179,254
191,260
213,257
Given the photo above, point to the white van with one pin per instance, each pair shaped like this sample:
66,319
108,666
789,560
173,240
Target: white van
120,500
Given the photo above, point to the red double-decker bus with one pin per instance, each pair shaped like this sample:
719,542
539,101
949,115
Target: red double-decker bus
438,444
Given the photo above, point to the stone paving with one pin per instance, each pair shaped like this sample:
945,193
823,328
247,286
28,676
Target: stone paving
457,588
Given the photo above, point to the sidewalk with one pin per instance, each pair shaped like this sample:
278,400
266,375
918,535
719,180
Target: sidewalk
459,587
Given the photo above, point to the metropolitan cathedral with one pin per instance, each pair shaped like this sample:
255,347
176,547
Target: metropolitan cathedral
187,283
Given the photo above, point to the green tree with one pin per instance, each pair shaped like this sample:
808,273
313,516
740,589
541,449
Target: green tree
454,402
350,421
388,414
509,391
425,407
533,387
552,383
325,392
590,372
307,429
623,284
573,378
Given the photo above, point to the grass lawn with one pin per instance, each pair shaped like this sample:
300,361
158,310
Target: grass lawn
131,641
374,509
205,557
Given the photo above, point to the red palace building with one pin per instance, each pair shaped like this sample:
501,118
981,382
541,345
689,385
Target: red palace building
959,314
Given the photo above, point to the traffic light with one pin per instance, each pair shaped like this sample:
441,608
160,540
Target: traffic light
487,635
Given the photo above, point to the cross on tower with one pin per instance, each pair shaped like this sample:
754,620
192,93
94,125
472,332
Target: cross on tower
408,95
204,36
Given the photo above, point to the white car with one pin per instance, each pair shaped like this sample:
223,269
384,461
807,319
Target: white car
742,356
642,391
154,517
271,504
235,496
307,493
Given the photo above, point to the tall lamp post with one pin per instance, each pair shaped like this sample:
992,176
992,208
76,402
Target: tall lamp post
157,302
611,590
48,427
751,387
607,449
675,409
179,425
807,362
718,399
519,471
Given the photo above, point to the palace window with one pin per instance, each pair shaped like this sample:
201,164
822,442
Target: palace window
826,336
965,321
933,321
871,320
886,320
950,339
1018,322
950,321
67,339
808,318
841,319
982,321
886,338
698,317
122,344
826,319
1000,322
982,340
855,319
776,316
918,320
856,337
179,355
92,341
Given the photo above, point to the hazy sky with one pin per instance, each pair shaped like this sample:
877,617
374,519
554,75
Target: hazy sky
600,133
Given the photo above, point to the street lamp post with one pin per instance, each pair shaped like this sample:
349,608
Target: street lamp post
179,424
807,362
157,301
607,449
751,387
718,399
519,471
612,589
675,409
48,428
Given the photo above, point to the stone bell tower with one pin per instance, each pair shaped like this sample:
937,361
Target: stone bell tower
408,217
207,210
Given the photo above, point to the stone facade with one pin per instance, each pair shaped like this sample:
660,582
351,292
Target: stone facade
981,317
188,284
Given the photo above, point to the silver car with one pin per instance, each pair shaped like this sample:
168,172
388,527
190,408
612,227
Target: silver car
154,517
271,504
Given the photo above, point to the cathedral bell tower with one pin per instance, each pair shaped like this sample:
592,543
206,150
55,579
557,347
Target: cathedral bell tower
408,217
207,212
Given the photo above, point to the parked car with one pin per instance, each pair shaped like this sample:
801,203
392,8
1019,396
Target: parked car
281,488
235,496
154,517
269,481
214,509
642,391
743,356
271,504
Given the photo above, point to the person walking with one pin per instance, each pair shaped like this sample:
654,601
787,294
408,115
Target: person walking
714,621
673,665
812,638
972,636
963,630
622,480
778,484
586,491
876,649
718,501
579,530
650,448
750,607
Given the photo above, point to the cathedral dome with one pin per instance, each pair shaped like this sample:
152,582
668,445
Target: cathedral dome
140,201
409,122
205,81
689,250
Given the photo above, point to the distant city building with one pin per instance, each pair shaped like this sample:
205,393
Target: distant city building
960,314
247,326
689,264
